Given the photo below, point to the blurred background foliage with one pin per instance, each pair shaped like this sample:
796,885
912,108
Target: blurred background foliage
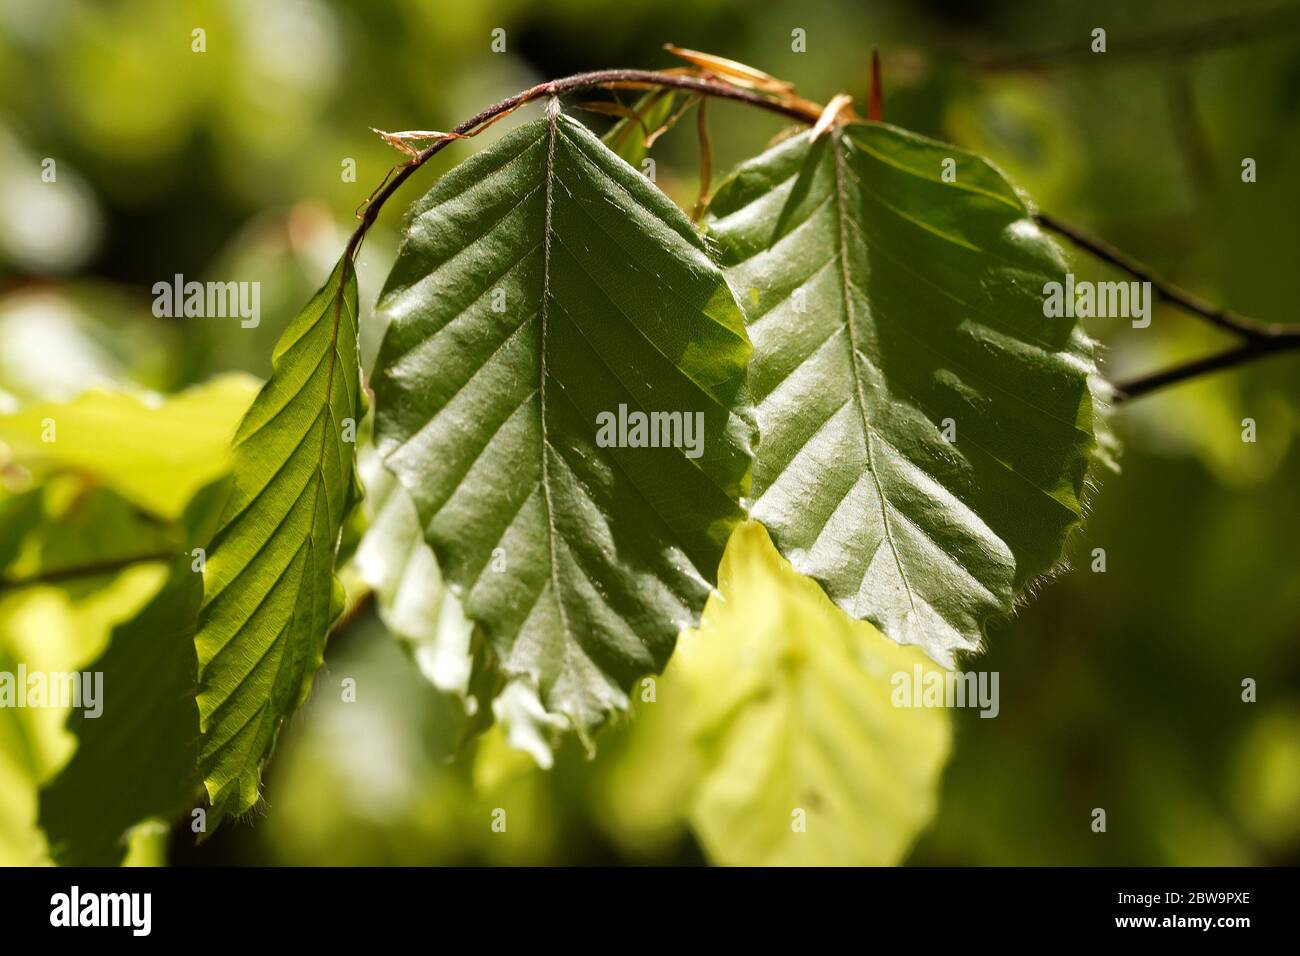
1119,690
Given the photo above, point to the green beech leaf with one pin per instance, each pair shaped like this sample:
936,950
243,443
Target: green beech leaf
136,759
775,733
270,592
53,627
395,560
892,311
542,284
627,137
156,450
71,528
20,514
397,563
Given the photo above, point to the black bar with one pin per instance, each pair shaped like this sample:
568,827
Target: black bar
438,906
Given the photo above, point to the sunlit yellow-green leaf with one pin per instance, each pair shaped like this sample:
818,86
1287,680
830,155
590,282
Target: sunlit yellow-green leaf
157,451
270,595
51,628
780,708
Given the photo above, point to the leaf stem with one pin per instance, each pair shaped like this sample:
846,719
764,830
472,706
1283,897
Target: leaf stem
706,160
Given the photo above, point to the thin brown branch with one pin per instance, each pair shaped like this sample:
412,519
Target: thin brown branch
90,570
1258,338
1229,358
620,79
1225,319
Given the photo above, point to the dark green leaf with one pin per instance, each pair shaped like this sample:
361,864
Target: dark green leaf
73,530
540,284
136,760
888,306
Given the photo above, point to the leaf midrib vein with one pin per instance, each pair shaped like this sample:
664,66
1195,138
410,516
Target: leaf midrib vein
552,123
850,320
